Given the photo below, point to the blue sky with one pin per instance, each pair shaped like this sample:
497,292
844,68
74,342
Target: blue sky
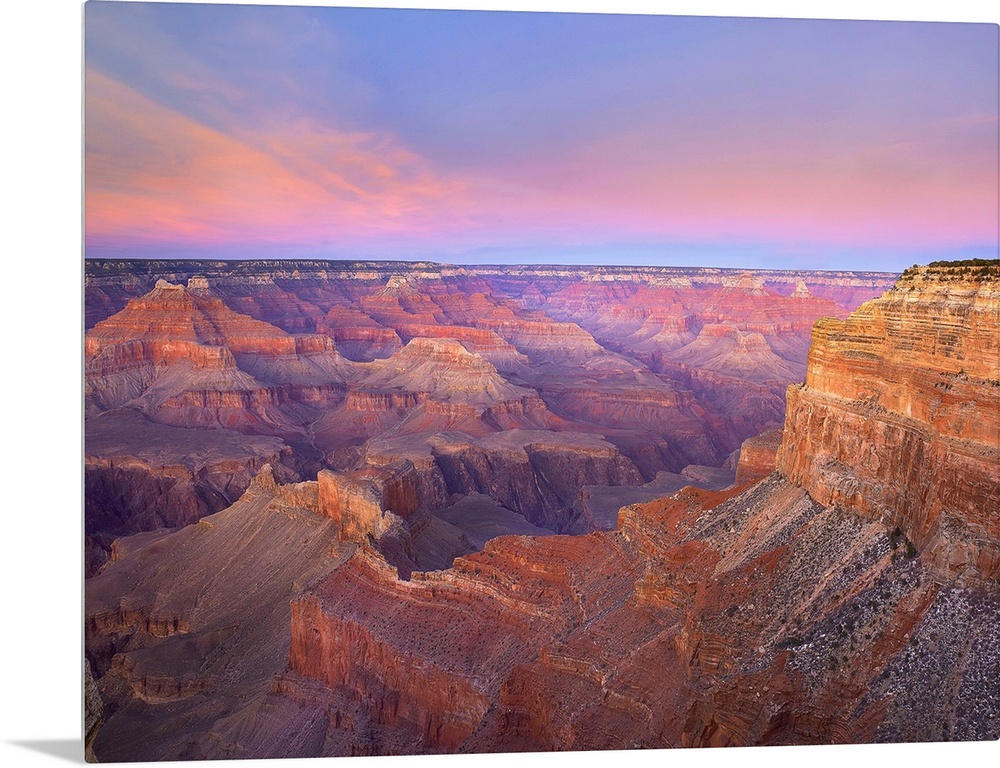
253,131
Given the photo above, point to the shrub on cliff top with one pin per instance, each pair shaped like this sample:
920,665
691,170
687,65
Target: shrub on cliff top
967,263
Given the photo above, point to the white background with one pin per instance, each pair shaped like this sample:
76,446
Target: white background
40,370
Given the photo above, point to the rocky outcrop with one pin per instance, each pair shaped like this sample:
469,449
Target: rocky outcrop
349,616
536,474
140,476
481,618
482,342
357,335
116,374
725,349
181,392
599,505
767,614
443,368
898,417
194,624
544,339
213,348
447,706
759,619
731,409
93,712
365,503
230,347
758,456
172,315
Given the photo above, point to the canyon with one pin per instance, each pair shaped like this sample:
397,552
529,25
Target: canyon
367,509
532,386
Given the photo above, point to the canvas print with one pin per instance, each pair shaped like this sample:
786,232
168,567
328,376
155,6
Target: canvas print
489,382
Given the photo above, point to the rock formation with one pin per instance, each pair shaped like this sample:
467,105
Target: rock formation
899,416
140,475
234,345
365,502
758,456
412,598
93,712
502,603
357,335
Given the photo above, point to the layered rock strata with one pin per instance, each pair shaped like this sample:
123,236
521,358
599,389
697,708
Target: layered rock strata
140,475
758,456
365,502
184,627
899,416
322,618
261,348
499,604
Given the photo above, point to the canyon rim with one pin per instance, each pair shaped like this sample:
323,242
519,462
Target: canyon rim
462,383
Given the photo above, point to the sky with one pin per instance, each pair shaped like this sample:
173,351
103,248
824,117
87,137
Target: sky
225,131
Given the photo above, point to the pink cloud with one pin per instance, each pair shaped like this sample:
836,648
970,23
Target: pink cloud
155,174
936,190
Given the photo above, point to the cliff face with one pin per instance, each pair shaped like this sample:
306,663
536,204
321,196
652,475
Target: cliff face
761,618
758,456
536,474
184,627
364,503
173,313
140,475
357,335
434,650
183,357
899,416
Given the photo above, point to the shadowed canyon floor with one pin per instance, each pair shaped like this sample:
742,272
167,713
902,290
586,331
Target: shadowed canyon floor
410,440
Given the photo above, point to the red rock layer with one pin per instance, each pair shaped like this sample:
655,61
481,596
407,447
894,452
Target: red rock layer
754,615
712,619
899,417
789,624
357,335
483,342
574,350
185,359
432,651
758,456
362,503
171,314
729,618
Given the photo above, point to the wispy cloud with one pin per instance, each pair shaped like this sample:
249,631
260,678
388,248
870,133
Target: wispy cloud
152,172
394,134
